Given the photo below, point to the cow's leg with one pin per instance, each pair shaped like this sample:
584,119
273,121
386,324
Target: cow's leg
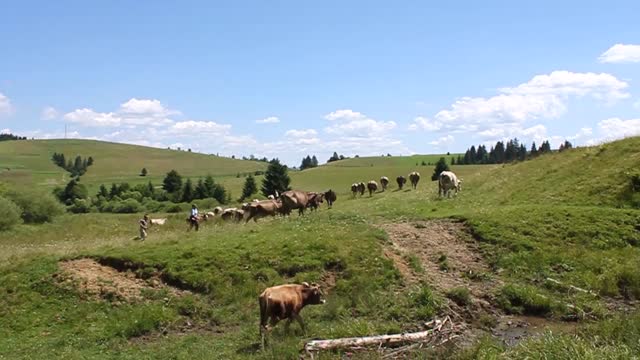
301,322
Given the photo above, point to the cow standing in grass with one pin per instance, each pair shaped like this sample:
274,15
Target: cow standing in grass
262,209
414,177
354,189
331,197
294,199
372,186
384,181
401,180
361,188
448,181
285,302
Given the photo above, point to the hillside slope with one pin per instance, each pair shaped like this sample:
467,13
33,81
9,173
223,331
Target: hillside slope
29,162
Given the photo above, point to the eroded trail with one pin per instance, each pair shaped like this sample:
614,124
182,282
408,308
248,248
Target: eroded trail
452,260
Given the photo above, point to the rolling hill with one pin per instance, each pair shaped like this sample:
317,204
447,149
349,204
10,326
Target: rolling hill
27,163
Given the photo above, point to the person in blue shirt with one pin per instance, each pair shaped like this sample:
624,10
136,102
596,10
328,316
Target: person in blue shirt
193,218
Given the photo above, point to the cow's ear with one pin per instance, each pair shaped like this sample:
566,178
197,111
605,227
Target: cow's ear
305,284
315,285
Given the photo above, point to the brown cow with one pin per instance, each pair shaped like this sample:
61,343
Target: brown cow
285,302
401,180
414,177
331,197
261,209
372,186
294,199
315,199
384,181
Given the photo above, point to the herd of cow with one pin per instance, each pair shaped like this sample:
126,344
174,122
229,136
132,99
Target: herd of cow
284,302
285,203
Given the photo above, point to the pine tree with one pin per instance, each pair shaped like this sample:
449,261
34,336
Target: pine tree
249,187
334,157
441,166
103,191
187,191
90,161
150,188
314,161
276,178
201,190
172,182
143,172
534,150
209,185
113,192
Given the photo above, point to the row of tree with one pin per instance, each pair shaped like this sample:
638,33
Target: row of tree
505,152
336,157
204,188
76,167
309,162
9,136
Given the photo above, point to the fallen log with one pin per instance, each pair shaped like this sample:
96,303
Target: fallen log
380,340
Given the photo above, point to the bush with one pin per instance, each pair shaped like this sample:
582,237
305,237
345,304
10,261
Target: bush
9,214
36,207
175,208
80,206
459,295
524,300
128,206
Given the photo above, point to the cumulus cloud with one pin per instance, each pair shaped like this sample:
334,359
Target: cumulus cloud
49,113
268,120
422,123
355,124
198,128
301,133
134,112
5,105
443,141
616,128
621,53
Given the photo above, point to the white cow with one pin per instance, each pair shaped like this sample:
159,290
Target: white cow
447,181
158,221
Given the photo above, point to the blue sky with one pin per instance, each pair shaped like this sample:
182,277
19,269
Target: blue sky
290,78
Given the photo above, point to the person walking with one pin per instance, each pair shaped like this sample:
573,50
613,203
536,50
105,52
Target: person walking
144,225
194,217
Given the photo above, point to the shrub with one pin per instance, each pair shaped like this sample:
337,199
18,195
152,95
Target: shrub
127,206
175,208
80,206
524,300
36,207
459,295
9,214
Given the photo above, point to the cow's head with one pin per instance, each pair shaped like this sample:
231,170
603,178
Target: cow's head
459,184
313,294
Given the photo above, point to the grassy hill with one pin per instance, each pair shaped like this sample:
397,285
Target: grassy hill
29,163
567,216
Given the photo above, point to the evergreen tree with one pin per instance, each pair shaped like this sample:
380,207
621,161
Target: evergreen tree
441,166
150,188
209,186
103,191
90,161
276,178
249,187
522,153
334,157
221,194
472,155
113,192
314,161
143,172
534,150
201,190
172,182
187,191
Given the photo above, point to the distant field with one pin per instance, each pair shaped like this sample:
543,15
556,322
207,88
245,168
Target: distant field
27,163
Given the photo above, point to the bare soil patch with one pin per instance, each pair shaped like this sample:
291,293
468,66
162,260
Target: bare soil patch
104,282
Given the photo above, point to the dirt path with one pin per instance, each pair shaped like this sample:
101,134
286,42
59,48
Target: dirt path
104,282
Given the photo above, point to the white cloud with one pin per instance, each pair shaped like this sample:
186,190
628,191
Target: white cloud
49,113
268,120
301,133
198,128
355,124
5,105
422,123
443,141
506,114
134,112
5,131
344,114
616,128
621,53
